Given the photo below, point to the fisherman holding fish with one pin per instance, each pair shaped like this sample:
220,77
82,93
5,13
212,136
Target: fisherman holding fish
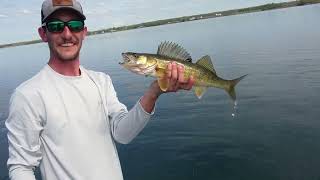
66,119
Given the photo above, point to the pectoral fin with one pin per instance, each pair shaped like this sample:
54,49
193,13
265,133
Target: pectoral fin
199,91
160,72
163,83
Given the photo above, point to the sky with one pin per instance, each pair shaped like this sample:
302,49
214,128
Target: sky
19,19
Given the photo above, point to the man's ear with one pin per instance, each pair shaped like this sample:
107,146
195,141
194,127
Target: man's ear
42,34
85,32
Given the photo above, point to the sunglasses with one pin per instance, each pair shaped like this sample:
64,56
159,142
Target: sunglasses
57,26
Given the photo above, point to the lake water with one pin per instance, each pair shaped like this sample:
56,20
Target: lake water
276,132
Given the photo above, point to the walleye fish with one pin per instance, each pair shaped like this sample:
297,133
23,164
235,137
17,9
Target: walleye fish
155,65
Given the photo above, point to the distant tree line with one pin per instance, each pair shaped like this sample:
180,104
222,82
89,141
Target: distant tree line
304,2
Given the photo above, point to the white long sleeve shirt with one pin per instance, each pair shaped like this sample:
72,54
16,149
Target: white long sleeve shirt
67,125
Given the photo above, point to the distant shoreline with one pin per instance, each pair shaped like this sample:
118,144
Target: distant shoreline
260,8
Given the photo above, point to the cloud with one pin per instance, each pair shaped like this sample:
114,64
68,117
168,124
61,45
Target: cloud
25,11
3,16
118,23
101,3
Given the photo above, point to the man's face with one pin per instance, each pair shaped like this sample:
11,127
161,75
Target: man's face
65,45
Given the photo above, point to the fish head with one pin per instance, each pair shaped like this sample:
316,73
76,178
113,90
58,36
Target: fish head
138,63
132,59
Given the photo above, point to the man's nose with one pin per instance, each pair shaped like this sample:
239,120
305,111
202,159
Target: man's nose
66,32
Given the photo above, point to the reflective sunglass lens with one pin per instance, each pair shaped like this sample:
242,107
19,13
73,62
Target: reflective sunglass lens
55,26
58,26
76,25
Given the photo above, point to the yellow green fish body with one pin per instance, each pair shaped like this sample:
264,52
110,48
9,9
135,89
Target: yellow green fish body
155,65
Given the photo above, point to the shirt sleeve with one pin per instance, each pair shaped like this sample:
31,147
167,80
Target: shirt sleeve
125,125
24,129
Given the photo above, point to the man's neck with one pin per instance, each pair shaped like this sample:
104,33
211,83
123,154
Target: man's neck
67,68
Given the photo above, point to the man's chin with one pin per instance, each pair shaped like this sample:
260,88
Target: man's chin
68,57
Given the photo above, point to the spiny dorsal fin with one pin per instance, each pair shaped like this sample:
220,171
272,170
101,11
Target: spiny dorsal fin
173,50
206,62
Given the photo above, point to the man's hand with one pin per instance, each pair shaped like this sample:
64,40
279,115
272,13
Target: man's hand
175,75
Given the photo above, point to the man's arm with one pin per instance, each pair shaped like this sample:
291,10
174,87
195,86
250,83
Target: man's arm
175,75
127,125
24,128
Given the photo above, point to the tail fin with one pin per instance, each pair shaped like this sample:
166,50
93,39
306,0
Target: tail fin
231,91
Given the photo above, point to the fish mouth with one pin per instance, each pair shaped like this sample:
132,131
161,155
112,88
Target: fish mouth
125,59
131,63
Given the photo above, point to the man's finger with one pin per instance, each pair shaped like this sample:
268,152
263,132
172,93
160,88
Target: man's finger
174,72
173,78
180,79
190,83
181,74
168,71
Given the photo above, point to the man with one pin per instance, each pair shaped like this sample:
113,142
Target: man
66,118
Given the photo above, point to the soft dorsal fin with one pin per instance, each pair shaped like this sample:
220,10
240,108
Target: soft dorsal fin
173,50
206,62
